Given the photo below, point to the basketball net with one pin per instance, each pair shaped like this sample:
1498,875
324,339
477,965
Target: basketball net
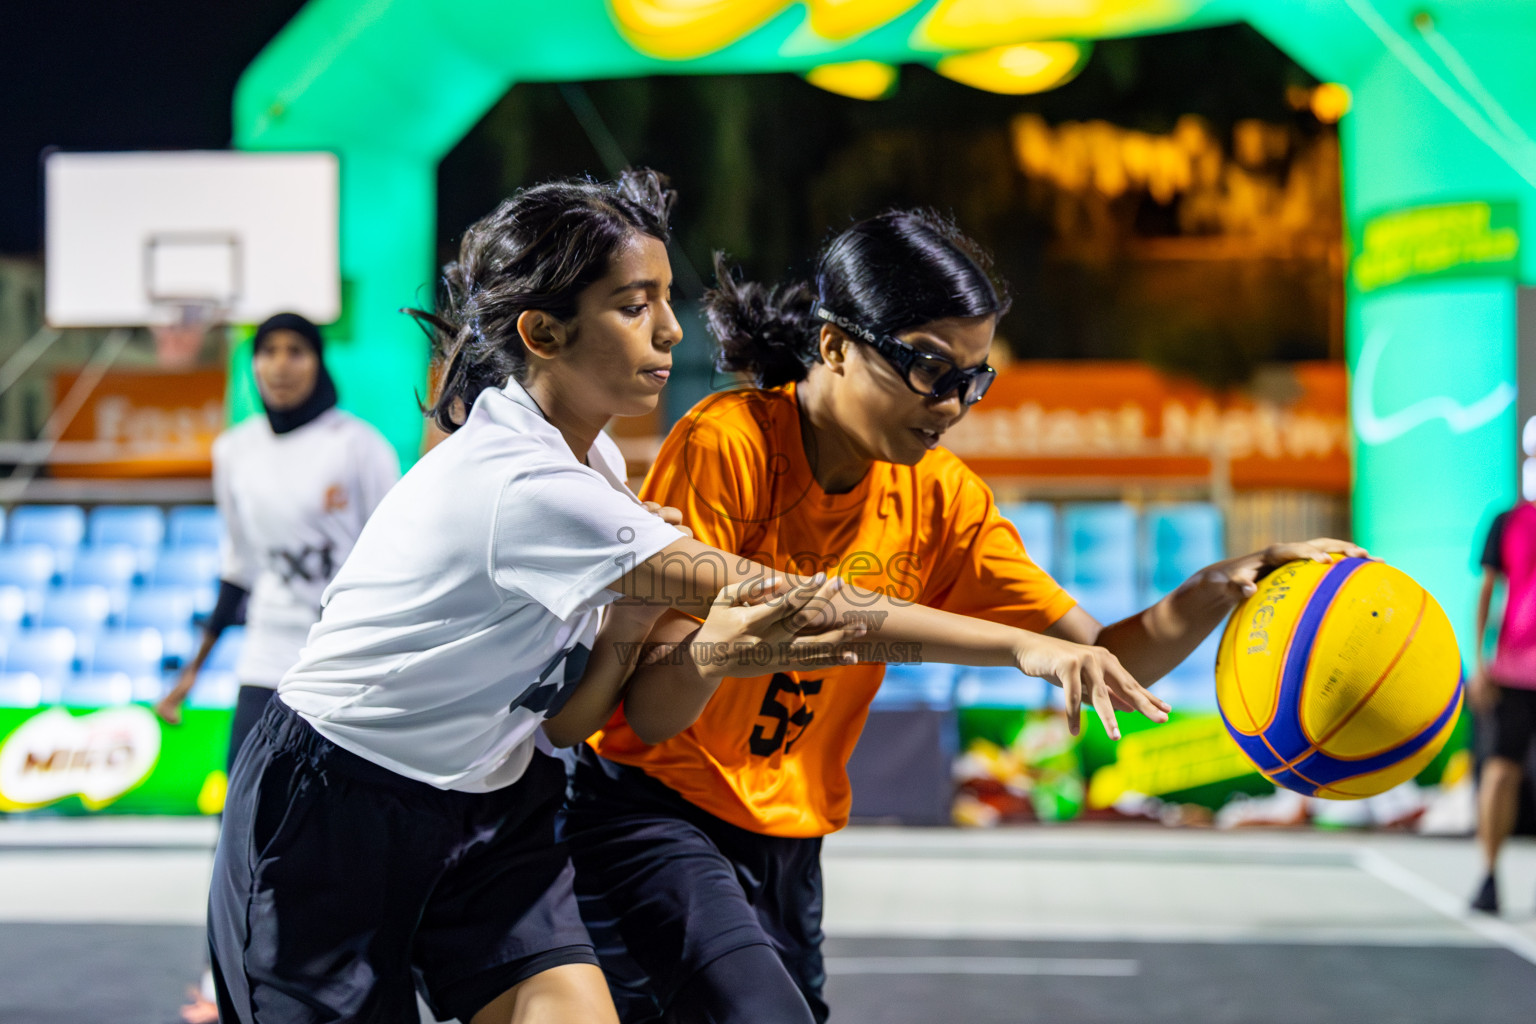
179,342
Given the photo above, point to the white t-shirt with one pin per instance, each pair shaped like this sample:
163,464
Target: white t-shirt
471,601
293,505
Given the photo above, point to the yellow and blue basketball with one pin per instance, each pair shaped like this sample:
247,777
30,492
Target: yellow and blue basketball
1339,680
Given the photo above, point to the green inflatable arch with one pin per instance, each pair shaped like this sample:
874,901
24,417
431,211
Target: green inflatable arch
1439,183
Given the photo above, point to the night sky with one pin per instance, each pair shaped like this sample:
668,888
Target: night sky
116,74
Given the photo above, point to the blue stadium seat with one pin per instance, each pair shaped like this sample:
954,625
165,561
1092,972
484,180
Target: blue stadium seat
85,610
226,651
214,690
58,526
25,690
61,527
186,567
98,690
137,652
1179,540
113,566
138,526
1036,523
29,566
1107,602
162,608
13,609
999,687
196,526
48,653
180,644
1098,545
925,685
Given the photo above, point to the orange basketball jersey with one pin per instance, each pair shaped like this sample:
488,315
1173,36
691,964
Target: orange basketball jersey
769,754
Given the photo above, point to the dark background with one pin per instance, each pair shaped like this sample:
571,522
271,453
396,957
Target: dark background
767,166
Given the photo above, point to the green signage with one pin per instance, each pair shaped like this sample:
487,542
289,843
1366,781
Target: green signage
1474,239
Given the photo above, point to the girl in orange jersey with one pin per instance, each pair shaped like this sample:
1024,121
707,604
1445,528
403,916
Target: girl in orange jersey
697,842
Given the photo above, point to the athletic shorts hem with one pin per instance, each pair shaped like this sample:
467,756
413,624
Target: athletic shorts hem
1509,729
462,999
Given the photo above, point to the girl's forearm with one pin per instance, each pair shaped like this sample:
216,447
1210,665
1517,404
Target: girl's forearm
666,693
602,684
903,631
1154,642
687,575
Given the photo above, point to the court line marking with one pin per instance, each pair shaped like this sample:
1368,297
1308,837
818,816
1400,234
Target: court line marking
1068,967
1397,936
1411,883
148,833
1236,857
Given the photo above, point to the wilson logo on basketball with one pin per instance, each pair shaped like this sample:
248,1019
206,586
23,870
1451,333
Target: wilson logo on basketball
1276,587
335,498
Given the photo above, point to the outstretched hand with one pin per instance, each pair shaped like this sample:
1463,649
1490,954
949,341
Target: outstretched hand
1089,674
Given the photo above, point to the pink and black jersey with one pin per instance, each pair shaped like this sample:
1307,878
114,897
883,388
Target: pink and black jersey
1511,551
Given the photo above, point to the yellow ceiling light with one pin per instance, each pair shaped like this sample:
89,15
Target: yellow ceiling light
685,29
844,19
858,79
1015,70
1330,101
973,24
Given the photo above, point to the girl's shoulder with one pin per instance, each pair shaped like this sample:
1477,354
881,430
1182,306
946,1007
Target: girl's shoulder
754,418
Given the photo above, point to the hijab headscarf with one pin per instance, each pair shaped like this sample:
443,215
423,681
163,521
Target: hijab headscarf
321,397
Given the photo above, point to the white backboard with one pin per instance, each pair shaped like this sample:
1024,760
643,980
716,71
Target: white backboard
132,237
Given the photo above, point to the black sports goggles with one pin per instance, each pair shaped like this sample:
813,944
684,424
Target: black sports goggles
925,373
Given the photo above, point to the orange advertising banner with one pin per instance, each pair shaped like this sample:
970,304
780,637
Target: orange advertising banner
1092,420
142,424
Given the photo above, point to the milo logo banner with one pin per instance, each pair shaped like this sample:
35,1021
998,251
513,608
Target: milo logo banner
119,759
97,757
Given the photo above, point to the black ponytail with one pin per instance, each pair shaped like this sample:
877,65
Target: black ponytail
887,274
769,333
537,250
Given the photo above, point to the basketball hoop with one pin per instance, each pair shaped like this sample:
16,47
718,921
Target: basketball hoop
179,341
181,242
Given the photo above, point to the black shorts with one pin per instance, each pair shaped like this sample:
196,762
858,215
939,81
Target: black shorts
340,888
666,888
1509,729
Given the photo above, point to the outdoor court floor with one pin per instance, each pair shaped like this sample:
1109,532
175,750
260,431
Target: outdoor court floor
101,921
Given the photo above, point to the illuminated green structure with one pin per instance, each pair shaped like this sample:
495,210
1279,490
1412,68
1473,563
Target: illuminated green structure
1441,95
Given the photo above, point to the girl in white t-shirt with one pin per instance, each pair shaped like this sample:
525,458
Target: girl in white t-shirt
390,822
